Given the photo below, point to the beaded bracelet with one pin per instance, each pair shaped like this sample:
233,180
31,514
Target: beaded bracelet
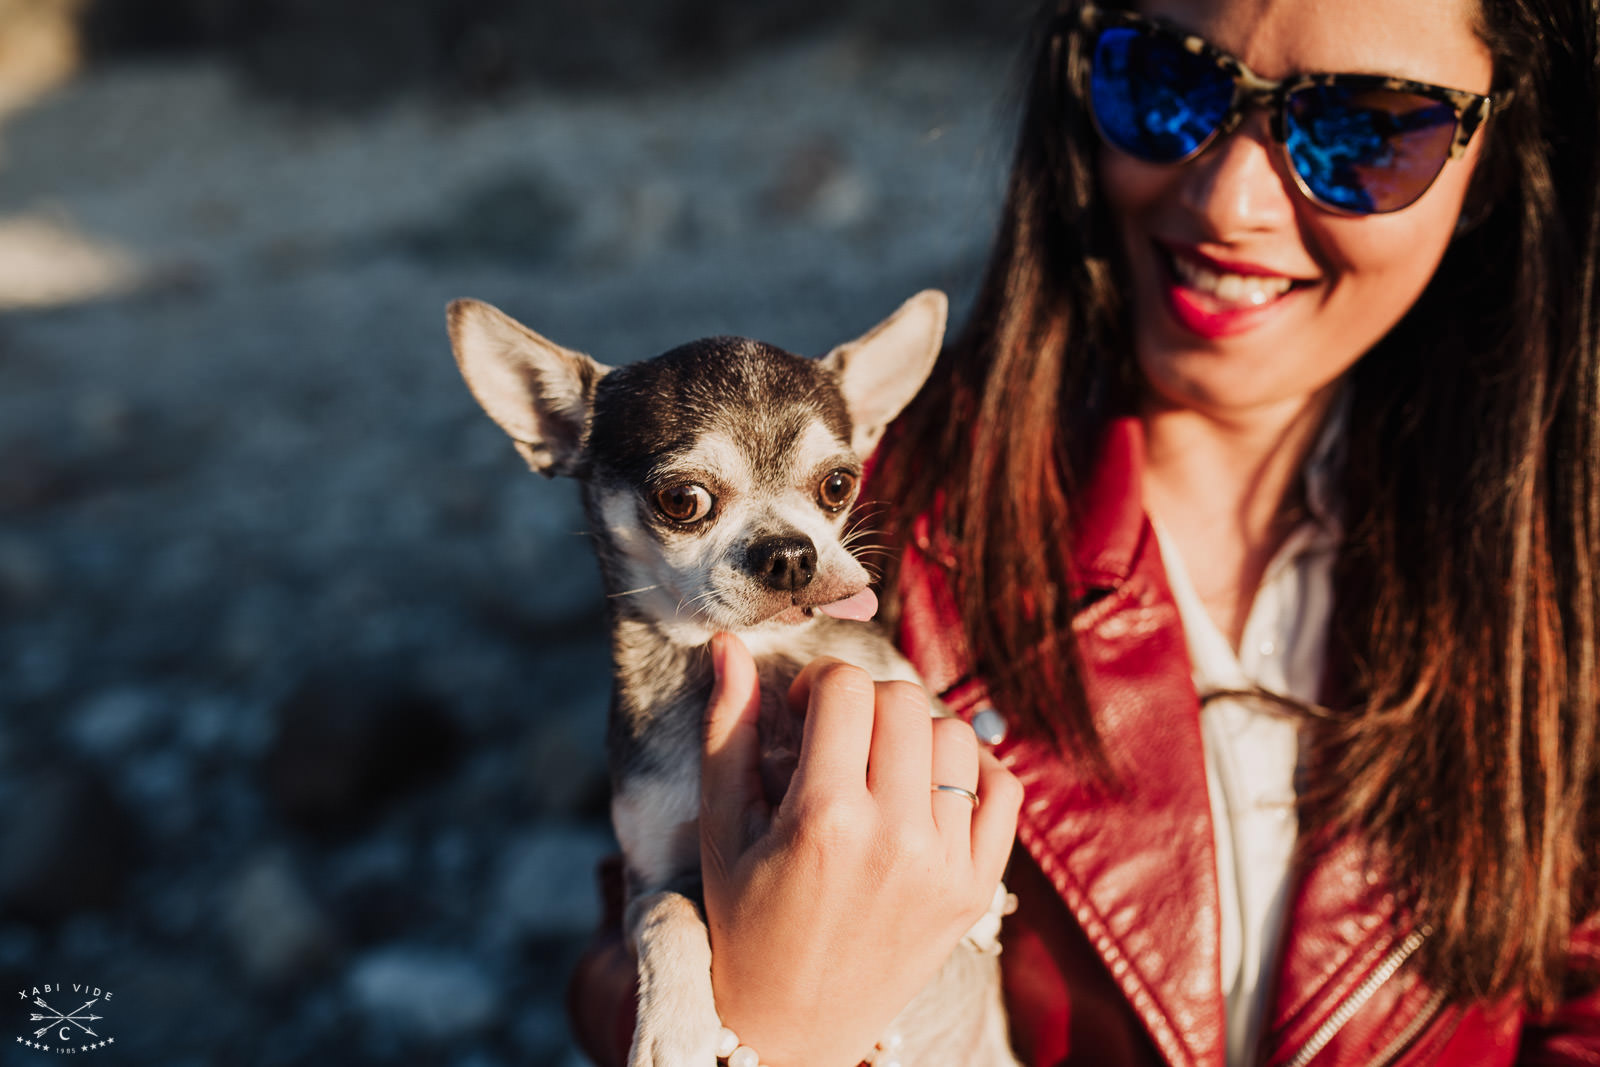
731,1052
885,1053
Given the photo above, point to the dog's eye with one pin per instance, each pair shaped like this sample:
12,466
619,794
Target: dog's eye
836,490
685,503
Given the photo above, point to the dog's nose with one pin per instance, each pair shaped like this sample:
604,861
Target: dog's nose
783,563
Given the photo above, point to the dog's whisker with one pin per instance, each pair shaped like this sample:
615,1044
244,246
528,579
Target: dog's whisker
862,545
857,532
689,605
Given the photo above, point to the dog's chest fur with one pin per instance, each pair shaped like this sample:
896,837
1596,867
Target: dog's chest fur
658,719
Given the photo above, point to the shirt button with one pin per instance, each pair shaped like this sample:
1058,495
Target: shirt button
990,726
1267,648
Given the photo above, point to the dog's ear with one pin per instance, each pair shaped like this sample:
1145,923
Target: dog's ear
540,393
881,371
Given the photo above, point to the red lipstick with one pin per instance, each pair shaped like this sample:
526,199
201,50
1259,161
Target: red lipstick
1216,298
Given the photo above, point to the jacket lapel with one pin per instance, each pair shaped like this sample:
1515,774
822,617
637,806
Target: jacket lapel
1343,916
1135,864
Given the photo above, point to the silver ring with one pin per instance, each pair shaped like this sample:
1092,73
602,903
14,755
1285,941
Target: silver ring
965,794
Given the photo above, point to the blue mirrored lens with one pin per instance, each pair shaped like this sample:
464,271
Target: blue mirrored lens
1153,99
1367,150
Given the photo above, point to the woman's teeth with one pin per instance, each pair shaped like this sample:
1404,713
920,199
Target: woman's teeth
1250,290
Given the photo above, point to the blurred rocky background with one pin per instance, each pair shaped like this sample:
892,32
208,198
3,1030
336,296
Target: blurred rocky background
302,676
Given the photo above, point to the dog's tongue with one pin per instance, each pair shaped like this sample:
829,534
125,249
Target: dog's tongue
860,607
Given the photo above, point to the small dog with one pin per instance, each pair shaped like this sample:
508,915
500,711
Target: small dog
717,479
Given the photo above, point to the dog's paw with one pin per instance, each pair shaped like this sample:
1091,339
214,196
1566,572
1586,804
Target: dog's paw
675,1043
677,1020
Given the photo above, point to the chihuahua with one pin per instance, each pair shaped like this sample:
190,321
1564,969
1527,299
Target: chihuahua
717,480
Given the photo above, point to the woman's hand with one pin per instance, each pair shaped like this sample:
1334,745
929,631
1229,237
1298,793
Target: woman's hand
828,914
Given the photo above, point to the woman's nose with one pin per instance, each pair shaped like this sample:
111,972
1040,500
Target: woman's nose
1240,183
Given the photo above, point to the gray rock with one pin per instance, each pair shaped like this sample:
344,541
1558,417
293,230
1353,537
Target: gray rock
278,933
209,724
430,994
545,884
114,722
377,859
160,784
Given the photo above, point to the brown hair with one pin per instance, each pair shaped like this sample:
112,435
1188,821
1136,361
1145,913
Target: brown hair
1469,580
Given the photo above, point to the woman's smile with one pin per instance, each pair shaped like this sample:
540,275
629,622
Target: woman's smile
1215,298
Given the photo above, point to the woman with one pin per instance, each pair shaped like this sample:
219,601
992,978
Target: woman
1281,397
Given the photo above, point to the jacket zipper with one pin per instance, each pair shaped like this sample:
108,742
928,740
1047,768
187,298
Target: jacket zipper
1358,997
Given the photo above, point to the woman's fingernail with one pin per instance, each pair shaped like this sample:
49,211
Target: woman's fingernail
717,654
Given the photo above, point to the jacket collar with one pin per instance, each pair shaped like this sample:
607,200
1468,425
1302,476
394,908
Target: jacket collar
1109,531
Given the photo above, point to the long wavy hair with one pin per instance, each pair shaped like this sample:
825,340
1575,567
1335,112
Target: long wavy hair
1469,580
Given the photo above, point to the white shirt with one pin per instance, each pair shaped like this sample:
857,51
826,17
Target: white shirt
1252,749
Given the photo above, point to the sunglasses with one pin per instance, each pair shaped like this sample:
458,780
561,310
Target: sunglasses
1357,144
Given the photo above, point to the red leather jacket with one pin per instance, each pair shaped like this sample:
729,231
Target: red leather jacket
1114,954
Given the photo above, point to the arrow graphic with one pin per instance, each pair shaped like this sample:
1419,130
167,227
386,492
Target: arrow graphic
58,1017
